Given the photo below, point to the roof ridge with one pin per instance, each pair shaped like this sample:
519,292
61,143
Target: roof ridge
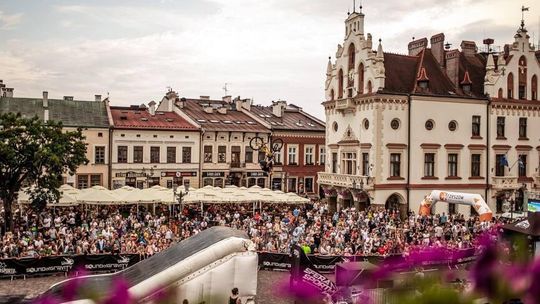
399,54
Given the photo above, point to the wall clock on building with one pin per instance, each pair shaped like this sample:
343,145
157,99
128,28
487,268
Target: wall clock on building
366,124
395,124
429,125
452,126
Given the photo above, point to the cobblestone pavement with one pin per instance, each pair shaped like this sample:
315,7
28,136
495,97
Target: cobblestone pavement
18,290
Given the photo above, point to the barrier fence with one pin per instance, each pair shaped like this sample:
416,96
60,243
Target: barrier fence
115,262
63,264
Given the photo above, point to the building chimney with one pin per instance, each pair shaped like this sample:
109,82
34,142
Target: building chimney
182,103
452,66
278,108
246,104
437,47
152,108
97,97
45,99
208,109
416,46
68,98
468,47
227,99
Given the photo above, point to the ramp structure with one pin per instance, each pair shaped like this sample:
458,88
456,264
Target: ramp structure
202,268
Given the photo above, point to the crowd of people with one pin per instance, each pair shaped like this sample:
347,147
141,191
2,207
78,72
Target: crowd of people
274,228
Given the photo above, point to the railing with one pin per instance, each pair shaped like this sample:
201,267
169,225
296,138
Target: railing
235,165
343,104
344,180
505,182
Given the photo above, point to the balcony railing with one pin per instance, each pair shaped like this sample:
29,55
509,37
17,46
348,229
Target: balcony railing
235,165
505,182
344,104
344,180
537,180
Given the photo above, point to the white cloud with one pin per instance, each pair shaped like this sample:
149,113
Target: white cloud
8,22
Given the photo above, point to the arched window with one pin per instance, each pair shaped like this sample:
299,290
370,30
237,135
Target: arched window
332,94
522,78
369,87
352,52
340,84
510,86
361,78
500,93
534,88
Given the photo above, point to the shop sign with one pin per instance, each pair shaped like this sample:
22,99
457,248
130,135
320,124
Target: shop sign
213,174
130,174
178,174
256,174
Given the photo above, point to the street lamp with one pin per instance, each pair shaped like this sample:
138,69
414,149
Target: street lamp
178,195
148,176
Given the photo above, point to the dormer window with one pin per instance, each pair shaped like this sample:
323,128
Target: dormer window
422,79
466,83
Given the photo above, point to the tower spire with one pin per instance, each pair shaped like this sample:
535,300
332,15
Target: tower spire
523,10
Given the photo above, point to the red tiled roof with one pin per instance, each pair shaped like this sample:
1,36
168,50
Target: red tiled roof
403,72
475,65
292,119
231,121
400,72
139,118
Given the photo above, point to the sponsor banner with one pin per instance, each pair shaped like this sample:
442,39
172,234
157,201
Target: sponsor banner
59,264
104,262
274,261
327,264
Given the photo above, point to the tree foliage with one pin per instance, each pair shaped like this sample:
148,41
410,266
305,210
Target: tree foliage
36,153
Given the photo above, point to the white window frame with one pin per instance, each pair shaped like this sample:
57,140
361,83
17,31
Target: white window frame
294,154
311,154
322,155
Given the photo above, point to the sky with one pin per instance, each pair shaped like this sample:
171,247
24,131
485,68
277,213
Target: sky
134,50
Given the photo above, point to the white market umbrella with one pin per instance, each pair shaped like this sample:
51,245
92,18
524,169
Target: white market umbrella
98,195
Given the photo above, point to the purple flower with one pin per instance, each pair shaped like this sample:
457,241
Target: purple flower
119,293
483,272
48,299
533,292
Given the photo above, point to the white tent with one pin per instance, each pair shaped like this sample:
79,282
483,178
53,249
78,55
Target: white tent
98,195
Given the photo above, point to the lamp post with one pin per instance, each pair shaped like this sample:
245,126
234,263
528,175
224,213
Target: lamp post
178,195
148,176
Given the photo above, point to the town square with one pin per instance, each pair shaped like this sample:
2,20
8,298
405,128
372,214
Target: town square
212,151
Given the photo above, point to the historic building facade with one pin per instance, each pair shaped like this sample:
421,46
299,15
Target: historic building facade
151,147
399,126
226,131
303,153
90,115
